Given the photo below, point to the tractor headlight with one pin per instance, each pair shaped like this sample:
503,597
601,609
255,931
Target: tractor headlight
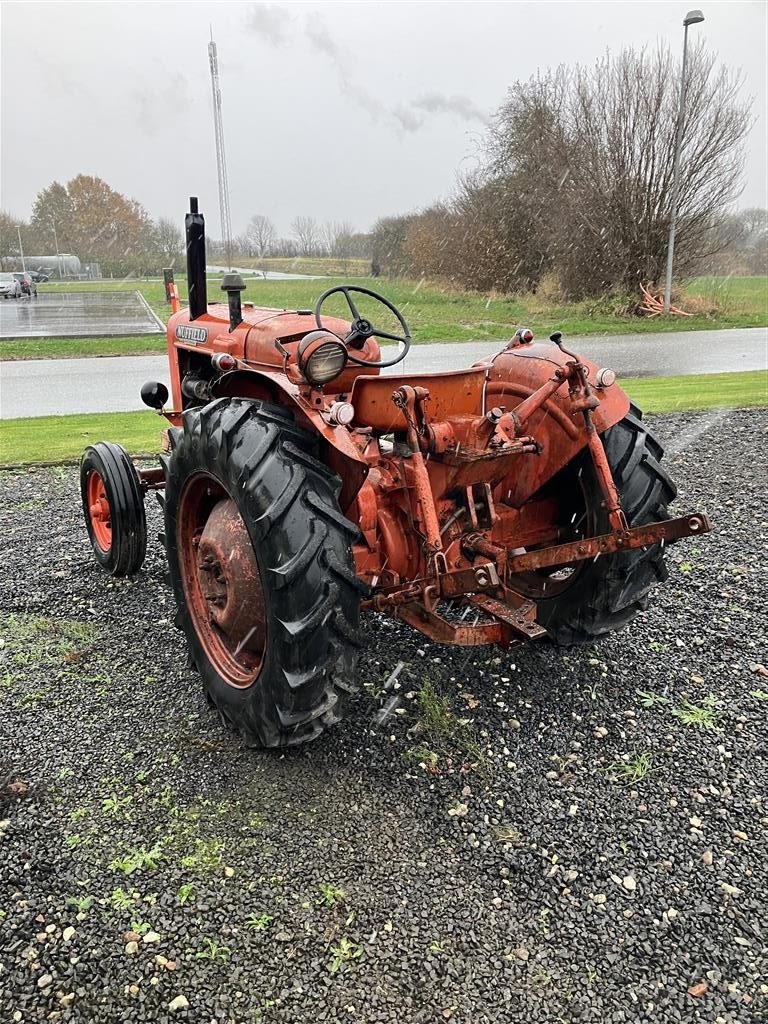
321,357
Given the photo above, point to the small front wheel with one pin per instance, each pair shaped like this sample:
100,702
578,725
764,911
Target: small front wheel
113,506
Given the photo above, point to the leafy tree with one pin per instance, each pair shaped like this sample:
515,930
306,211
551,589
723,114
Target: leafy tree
9,239
52,219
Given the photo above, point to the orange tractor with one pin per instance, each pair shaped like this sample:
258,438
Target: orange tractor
517,500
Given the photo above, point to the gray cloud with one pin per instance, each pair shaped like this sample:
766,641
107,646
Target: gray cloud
461,106
270,21
322,40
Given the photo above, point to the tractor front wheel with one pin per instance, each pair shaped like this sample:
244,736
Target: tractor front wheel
261,563
113,505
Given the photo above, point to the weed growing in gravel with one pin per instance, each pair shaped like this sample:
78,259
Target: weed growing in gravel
120,899
114,804
185,893
81,903
330,895
436,715
446,733
544,921
78,813
438,946
76,839
207,856
39,642
633,769
343,953
424,757
140,927
213,951
259,922
758,694
649,699
138,860
705,717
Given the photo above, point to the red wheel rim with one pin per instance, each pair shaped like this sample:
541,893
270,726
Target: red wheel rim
221,579
99,511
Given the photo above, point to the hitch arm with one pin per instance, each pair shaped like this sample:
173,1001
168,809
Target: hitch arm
609,543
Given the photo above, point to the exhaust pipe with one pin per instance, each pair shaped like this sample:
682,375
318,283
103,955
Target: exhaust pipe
194,224
233,284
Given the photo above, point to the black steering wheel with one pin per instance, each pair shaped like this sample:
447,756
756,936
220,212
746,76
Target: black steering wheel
363,329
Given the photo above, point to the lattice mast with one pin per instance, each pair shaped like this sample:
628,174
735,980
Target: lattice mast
221,159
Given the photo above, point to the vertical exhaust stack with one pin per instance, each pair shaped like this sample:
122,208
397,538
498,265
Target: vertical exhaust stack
194,224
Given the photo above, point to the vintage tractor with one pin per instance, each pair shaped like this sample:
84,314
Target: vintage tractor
517,500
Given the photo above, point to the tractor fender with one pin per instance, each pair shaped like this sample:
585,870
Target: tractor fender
519,371
337,450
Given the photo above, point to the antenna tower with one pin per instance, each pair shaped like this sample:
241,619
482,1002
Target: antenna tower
221,159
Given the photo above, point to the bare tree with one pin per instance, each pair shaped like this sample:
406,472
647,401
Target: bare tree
261,233
307,235
168,240
577,181
596,149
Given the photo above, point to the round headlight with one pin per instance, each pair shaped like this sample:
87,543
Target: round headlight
321,357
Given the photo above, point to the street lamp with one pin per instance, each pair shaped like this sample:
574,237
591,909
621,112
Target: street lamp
691,18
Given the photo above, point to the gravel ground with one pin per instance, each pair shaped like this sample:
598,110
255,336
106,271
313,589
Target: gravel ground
491,854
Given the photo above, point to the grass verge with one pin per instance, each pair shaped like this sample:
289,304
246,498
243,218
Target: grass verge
80,348
62,438
699,391
434,313
50,439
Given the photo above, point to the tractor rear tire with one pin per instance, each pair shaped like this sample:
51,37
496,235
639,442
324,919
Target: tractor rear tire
261,564
609,592
113,505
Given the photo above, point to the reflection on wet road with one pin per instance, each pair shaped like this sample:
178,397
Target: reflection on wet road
45,387
78,315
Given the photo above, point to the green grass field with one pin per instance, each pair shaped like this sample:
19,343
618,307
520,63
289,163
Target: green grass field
435,314
52,439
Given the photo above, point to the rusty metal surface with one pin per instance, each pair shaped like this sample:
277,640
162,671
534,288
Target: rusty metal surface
452,507
691,525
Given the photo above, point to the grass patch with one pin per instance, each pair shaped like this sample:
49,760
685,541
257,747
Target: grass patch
33,643
699,391
632,770
435,313
79,348
63,438
705,716
48,439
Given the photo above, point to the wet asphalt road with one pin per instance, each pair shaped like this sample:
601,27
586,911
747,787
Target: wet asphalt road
77,315
111,384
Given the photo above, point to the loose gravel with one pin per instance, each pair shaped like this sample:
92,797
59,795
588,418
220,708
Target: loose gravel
530,835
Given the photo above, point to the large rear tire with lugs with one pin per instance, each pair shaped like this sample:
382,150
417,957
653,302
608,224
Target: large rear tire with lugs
605,595
261,564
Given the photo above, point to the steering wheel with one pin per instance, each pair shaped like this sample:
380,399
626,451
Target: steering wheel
363,329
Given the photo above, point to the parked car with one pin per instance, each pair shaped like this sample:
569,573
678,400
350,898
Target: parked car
39,276
9,287
27,282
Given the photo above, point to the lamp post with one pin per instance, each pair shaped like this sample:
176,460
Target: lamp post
21,249
691,18
56,243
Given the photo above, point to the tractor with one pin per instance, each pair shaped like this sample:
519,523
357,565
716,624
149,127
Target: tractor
519,500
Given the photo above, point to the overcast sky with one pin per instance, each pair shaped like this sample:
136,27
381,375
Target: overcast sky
334,110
